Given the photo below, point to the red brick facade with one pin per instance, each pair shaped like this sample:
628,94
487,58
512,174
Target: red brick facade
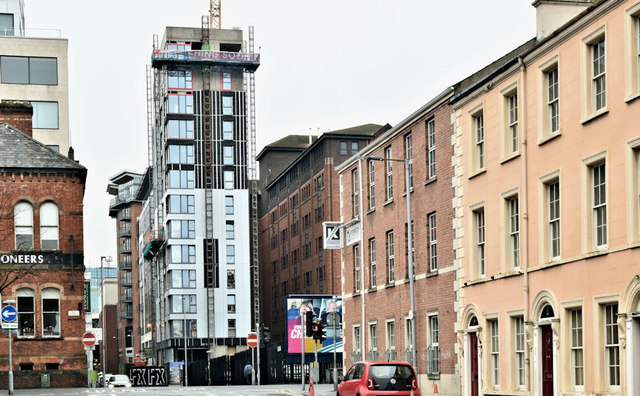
293,274
44,276
389,301
65,275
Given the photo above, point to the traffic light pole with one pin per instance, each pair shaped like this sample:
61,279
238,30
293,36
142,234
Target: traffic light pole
302,333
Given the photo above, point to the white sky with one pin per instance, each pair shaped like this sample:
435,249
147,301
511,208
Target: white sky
325,65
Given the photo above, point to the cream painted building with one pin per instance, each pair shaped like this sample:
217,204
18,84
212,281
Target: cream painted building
547,169
34,68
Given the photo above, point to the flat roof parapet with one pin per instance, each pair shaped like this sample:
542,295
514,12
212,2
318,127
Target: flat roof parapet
247,61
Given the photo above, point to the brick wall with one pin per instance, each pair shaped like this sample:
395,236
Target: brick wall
433,290
66,191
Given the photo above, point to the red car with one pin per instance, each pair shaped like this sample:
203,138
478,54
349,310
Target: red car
379,378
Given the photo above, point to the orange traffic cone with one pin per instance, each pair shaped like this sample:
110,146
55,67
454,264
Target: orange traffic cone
311,386
435,390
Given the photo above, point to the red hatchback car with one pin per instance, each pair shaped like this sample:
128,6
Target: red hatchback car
379,378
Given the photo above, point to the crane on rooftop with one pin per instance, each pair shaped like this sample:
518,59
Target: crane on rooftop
215,14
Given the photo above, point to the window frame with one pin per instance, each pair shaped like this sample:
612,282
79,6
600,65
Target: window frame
356,268
494,351
29,70
432,228
390,257
575,346
431,148
36,119
611,345
355,193
20,225
56,332
372,262
408,156
510,134
479,240
632,52
589,75
372,184
388,173
22,293
226,81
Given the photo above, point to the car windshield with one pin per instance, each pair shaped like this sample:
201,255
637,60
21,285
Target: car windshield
120,378
391,376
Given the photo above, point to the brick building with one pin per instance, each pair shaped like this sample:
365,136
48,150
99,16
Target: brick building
41,256
376,288
300,192
130,190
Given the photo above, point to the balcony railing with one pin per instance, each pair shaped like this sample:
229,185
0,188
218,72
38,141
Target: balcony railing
356,356
126,298
372,354
124,230
124,264
124,247
390,354
30,33
433,360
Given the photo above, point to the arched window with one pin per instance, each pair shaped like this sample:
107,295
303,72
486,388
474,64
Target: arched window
49,226
50,312
23,220
26,309
473,322
547,312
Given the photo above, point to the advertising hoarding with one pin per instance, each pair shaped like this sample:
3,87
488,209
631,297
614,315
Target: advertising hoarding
321,305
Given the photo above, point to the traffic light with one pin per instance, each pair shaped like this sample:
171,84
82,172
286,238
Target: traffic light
318,332
265,334
309,323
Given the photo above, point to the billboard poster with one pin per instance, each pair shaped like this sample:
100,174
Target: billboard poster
321,306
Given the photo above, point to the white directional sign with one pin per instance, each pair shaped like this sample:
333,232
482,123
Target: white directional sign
9,325
332,235
353,234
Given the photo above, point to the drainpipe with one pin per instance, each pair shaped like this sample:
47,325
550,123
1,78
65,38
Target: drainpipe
525,221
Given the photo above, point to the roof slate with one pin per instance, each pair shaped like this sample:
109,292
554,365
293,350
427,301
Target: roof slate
19,151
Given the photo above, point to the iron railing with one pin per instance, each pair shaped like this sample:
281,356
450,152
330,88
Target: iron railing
433,360
391,354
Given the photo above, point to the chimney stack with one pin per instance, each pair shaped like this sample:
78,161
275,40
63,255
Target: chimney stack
551,14
19,115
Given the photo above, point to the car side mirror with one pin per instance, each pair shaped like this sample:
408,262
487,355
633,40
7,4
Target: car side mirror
340,378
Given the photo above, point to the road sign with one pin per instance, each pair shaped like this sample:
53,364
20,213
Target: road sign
9,325
88,339
9,313
332,235
353,234
252,340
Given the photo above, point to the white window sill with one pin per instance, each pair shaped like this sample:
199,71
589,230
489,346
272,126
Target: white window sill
594,115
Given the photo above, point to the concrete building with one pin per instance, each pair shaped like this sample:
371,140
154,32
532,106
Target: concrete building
376,287
299,191
130,190
34,68
41,256
546,180
196,221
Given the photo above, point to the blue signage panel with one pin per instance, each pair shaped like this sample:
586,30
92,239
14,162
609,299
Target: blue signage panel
9,313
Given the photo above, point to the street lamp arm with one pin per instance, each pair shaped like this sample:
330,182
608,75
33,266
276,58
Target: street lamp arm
386,159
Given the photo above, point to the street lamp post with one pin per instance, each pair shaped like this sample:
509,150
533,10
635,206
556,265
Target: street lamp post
104,338
412,319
